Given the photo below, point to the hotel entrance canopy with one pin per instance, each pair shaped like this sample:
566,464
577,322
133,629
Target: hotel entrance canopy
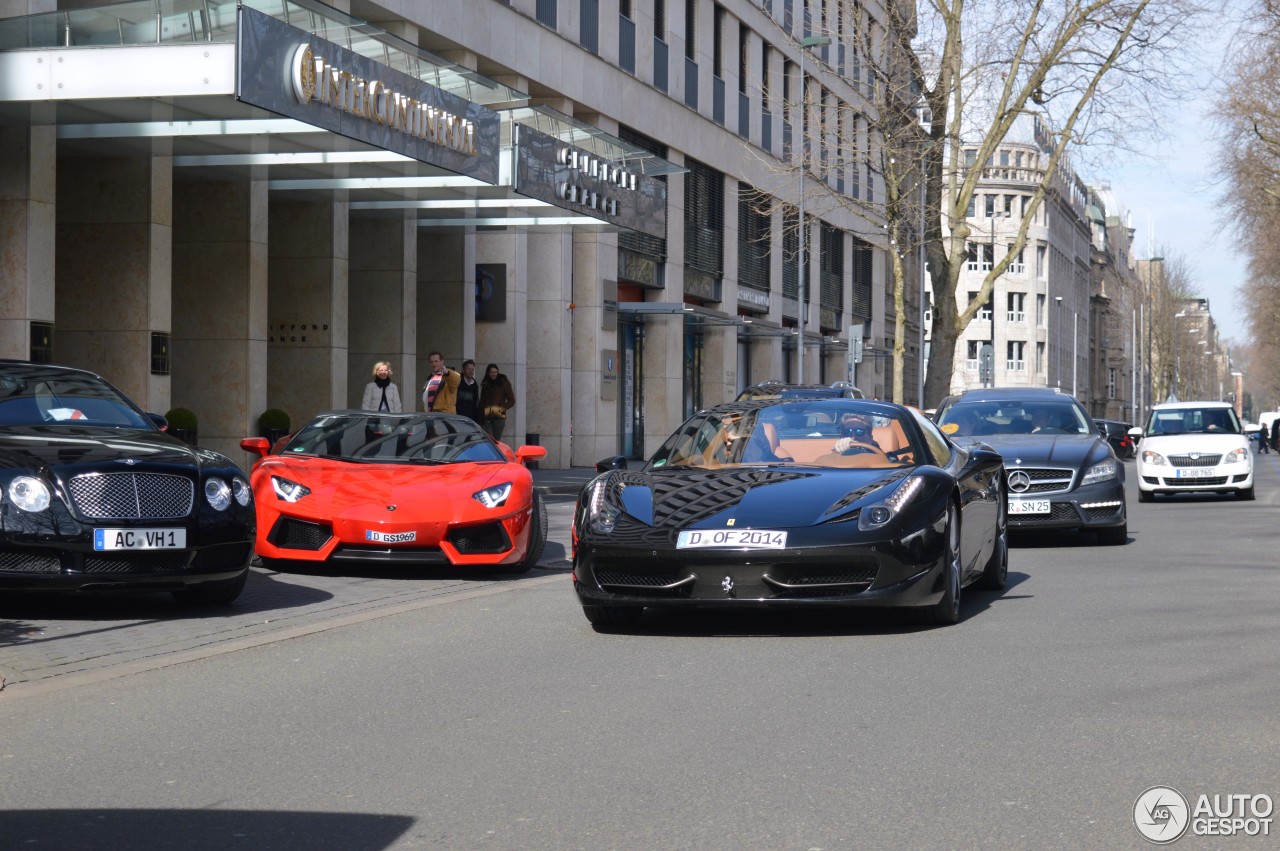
232,89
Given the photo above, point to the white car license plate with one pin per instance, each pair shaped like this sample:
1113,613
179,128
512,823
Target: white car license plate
390,537
139,539
1028,506
749,539
1195,473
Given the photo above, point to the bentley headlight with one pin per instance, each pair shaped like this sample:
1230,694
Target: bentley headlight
218,493
601,516
1150,457
1099,473
287,490
29,493
494,496
1236,456
878,514
241,491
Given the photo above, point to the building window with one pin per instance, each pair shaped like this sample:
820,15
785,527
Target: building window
1016,361
690,29
1040,310
1111,382
704,219
1016,266
1040,262
984,312
589,25
973,350
754,214
545,12
1017,305
990,205
1039,358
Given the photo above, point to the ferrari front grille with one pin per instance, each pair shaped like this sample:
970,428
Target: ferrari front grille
821,583
645,584
475,540
292,534
131,496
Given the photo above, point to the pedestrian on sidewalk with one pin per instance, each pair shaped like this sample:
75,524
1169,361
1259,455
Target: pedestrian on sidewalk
496,398
381,394
469,393
440,393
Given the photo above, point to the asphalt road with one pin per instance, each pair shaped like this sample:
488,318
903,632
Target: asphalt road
378,711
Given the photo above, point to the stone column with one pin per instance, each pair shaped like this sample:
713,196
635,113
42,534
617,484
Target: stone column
28,214
307,307
594,427
446,301
383,304
557,351
506,341
220,308
115,267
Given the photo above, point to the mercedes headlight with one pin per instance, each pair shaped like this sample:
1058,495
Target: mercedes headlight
494,496
217,493
878,514
29,493
1104,472
287,490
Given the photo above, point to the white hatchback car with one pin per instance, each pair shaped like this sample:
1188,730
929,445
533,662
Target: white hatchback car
1193,446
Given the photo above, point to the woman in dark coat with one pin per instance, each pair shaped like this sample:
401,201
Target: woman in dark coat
496,398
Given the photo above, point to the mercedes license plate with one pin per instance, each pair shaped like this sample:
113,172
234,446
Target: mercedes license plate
749,539
139,539
1028,506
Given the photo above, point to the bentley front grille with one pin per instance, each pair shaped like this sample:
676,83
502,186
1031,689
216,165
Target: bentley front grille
132,496
25,561
136,563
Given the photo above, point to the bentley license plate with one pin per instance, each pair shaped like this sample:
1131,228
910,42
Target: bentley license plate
1196,473
139,539
748,539
1028,506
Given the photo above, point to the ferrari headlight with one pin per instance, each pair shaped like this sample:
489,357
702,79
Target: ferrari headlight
287,490
1236,456
218,493
1103,472
494,496
29,493
601,516
1150,457
878,514
241,491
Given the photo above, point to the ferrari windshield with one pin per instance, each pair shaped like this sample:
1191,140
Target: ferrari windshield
31,396
1039,416
814,433
394,438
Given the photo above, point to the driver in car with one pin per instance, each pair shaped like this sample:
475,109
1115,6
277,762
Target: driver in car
857,436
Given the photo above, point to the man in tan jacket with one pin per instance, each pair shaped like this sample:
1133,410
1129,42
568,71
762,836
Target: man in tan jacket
440,393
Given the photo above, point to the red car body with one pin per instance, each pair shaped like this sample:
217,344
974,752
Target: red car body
421,489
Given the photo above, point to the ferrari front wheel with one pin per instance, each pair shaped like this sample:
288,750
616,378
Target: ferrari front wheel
947,610
537,536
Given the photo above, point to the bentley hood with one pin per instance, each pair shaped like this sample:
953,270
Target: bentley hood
68,449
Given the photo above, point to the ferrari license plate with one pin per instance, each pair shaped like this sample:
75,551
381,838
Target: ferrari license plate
745,539
139,539
390,537
1195,473
1028,506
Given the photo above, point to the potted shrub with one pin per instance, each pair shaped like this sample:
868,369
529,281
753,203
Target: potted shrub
273,424
183,425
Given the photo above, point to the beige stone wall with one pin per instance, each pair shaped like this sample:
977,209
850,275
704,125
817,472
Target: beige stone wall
28,172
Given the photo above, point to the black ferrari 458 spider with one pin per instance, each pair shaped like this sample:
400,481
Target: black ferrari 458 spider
793,502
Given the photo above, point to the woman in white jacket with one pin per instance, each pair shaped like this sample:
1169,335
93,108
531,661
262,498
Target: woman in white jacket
381,394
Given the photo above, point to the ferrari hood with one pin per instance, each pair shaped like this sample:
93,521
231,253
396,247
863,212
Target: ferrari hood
750,497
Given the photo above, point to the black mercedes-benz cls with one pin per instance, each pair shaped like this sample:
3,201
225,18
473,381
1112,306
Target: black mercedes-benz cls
94,495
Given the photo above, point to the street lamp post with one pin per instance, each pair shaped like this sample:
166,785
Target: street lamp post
1057,343
805,43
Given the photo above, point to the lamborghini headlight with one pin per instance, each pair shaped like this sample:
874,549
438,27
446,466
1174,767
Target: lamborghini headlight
878,514
601,516
29,493
494,496
287,490
1104,472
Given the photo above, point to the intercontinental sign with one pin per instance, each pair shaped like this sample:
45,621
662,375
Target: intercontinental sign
296,74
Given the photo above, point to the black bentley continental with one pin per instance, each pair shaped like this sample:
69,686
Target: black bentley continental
793,503
95,496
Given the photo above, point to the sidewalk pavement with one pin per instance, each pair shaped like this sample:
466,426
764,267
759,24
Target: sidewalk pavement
562,482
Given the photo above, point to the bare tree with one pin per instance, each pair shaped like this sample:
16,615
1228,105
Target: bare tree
1086,69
